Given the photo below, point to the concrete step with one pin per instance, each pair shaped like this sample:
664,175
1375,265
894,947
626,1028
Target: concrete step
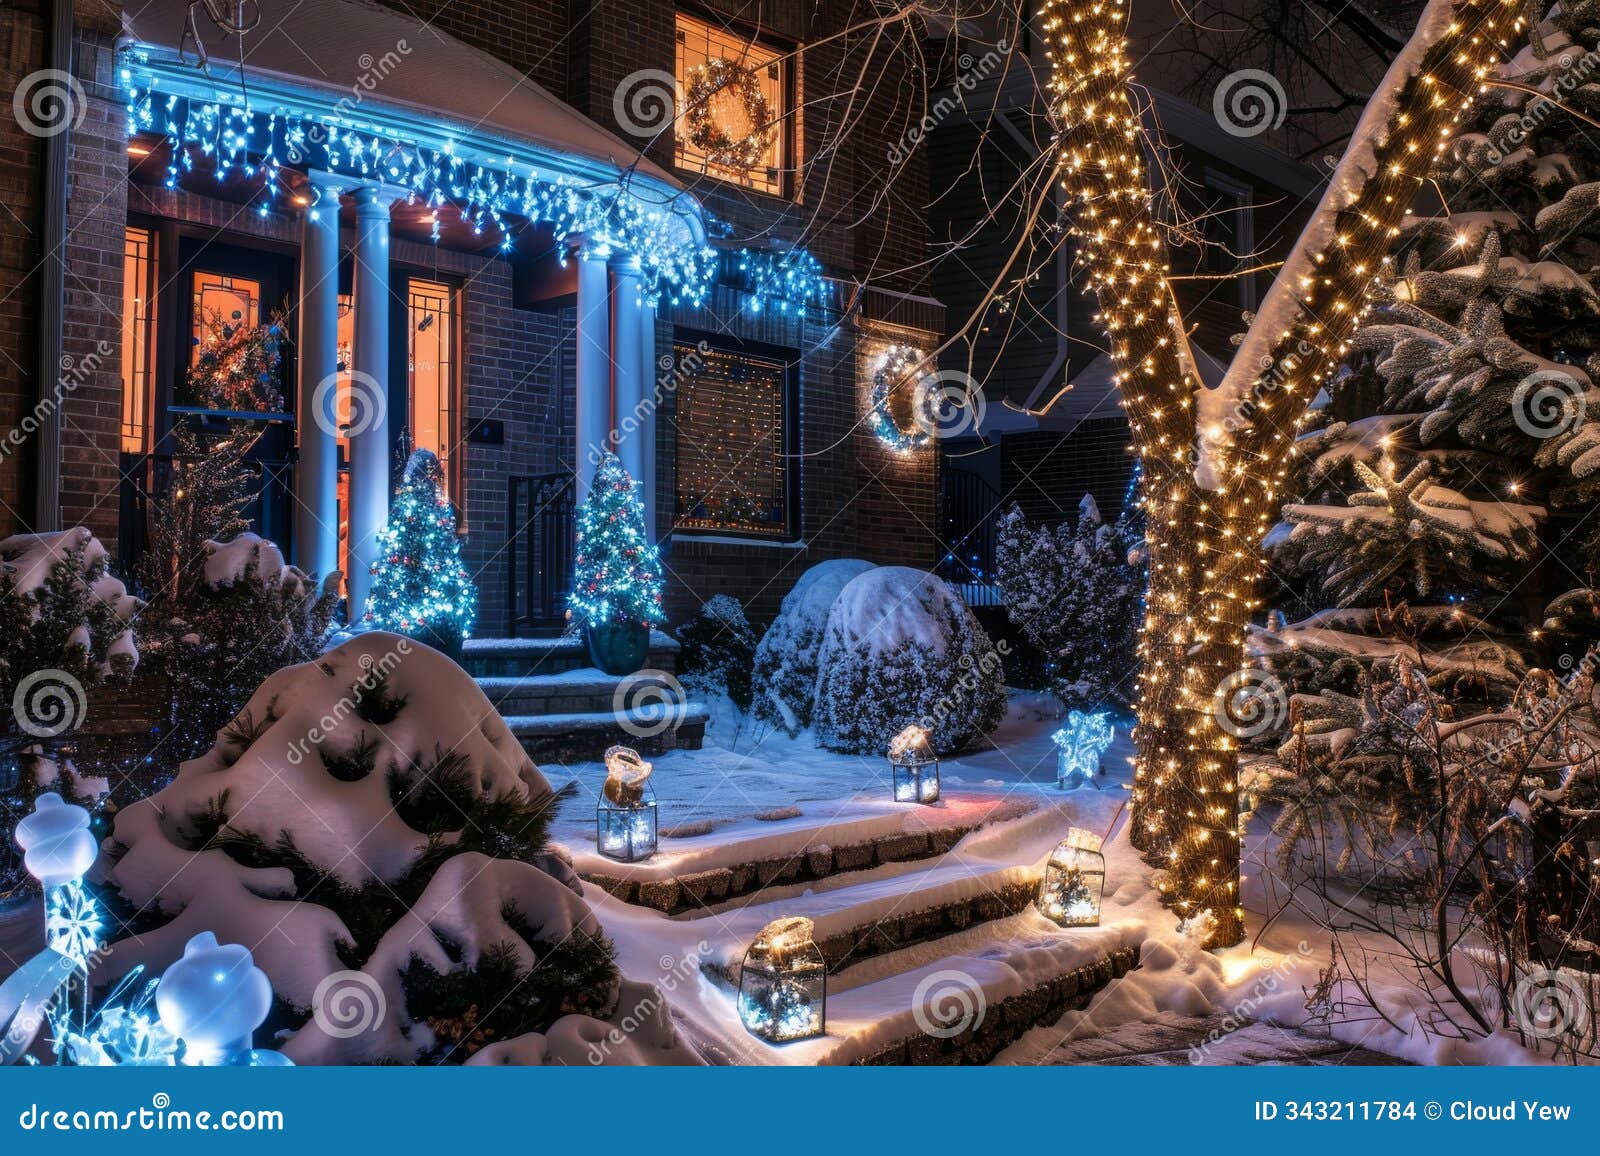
524,657
583,690
583,736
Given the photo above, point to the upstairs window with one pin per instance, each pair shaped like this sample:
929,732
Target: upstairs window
138,316
733,108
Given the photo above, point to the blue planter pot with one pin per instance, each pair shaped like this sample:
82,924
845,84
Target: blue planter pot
618,647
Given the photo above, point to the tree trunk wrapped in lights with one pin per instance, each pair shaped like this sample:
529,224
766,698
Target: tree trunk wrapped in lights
1214,460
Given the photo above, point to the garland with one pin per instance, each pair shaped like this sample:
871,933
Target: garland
892,369
722,148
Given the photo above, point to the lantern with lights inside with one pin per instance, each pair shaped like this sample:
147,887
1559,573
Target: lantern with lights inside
625,817
783,985
915,766
1073,880
1079,746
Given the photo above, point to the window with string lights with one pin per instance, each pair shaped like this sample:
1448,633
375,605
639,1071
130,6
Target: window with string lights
735,432
734,100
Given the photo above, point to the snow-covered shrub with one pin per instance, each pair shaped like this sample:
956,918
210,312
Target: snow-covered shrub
1072,591
251,614
718,650
373,831
785,676
902,647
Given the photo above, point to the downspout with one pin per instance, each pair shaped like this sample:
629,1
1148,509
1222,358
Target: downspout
52,289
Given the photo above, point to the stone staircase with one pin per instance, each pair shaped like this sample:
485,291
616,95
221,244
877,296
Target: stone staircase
908,921
564,710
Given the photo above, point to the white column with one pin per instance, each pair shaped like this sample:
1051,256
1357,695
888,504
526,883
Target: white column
369,390
629,388
316,496
592,419
650,373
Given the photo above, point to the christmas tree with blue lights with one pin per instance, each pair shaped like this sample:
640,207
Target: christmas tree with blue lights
617,572
420,586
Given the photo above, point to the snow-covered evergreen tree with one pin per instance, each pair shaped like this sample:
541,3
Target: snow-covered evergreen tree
784,683
420,585
1457,456
718,649
616,570
901,647
1072,590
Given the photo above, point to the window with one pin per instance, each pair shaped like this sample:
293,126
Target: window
138,314
433,367
733,424
220,295
1228,227
702,46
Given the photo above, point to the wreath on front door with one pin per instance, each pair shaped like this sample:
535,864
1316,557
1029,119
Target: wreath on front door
723,148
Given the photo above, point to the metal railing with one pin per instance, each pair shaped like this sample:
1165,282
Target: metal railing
541,516
968,508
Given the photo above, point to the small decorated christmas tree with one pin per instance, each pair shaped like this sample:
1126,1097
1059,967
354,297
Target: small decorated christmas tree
420,586
617,572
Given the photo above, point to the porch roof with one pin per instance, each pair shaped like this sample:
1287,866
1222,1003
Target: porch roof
449,121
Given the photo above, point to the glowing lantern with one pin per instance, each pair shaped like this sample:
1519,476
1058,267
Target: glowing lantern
783,986
1073,880
1079,746
915,767
213,999
57,844
625,818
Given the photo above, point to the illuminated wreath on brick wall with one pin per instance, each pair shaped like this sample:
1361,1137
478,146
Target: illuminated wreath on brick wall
721,147
892,369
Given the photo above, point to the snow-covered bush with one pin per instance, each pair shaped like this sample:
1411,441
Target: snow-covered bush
785,676
718,648
373,831
249,615
1072,591
902,647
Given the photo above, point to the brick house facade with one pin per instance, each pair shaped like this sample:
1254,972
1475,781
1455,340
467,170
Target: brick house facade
515,373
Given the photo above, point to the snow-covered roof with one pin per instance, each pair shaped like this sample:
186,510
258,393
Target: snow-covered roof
366,57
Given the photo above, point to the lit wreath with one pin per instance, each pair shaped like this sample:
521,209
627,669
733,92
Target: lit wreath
721,147
893,367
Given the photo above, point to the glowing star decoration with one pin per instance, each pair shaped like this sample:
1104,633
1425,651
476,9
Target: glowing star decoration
1079,746
625,816
783,984
914,766
213,999
1074,878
